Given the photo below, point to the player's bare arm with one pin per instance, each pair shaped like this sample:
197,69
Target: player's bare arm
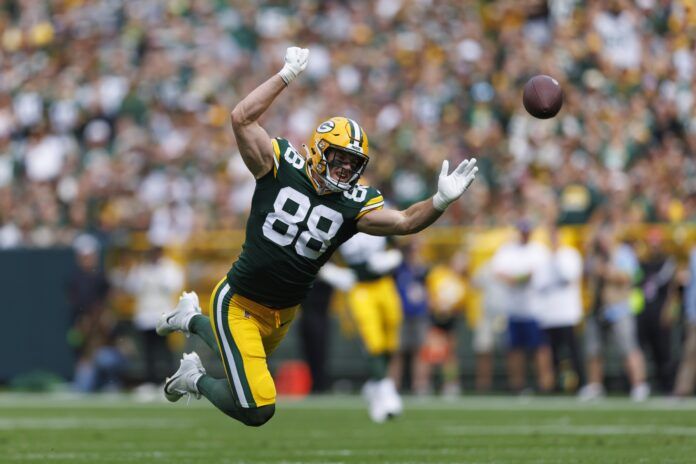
392,222
253,141
422,214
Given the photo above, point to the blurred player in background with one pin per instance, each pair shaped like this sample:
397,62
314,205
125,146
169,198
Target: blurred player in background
376,309
303,209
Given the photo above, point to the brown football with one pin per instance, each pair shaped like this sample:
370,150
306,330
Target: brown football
542,97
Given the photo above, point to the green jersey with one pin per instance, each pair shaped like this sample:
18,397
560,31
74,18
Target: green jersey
292,230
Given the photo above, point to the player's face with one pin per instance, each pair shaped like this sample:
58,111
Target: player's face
341,165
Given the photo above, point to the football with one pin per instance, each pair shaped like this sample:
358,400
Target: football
542,97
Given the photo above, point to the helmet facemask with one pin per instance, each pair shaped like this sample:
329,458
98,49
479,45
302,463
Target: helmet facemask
324,167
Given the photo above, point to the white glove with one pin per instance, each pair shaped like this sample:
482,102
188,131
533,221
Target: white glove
295,62
450,187
383,262
338,277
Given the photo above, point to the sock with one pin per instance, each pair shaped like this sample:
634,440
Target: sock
377,367
387,359
218,392
200,325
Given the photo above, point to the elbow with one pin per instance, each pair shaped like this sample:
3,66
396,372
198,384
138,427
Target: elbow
238,117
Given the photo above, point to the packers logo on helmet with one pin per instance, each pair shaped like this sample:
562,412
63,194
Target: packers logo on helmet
343,135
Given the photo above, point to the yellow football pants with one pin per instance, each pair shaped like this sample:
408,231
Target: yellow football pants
247,332
376,309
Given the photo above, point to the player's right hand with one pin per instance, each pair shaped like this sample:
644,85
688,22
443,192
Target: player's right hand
295,62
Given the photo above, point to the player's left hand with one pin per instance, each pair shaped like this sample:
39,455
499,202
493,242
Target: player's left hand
452,186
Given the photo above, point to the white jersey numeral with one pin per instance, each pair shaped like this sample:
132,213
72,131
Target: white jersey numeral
291,208
357,193
281,225
294,158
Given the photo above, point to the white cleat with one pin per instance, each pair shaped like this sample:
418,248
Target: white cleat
376,409
184,380
640,392
591,392
392,401
180,317
368,390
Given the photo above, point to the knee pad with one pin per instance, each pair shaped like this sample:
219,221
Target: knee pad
256,417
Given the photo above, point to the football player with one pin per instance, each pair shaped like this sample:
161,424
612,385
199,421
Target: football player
376,309
303,208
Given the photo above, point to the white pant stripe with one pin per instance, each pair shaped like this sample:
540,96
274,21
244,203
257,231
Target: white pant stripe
228,351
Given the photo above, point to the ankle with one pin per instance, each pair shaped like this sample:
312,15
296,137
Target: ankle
194,381
190,322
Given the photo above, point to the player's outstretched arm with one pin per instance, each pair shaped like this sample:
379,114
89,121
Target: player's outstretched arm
420,215
253,140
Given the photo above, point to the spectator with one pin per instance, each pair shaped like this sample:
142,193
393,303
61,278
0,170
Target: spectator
655,320
613,266
314,323
447,289
493,316
100,364
315,330
559,307
408,369
686,377
514,265
155,284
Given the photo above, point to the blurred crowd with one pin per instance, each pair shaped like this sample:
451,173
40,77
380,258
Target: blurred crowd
114,114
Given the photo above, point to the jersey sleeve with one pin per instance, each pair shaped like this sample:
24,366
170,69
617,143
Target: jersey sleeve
373,201
276,154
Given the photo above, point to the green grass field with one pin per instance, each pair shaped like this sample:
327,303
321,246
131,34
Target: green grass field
115,429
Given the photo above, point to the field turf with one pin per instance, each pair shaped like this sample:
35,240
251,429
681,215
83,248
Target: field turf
118,429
